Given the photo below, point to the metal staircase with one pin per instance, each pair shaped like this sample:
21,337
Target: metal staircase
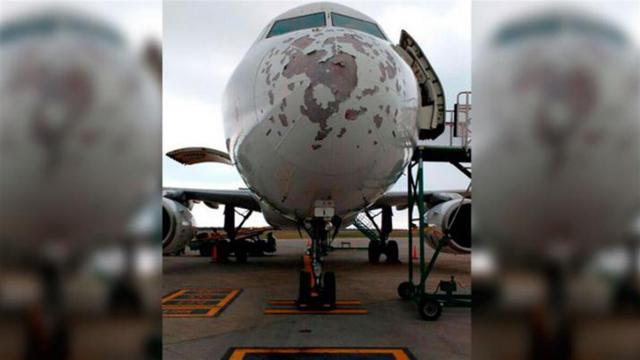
366,227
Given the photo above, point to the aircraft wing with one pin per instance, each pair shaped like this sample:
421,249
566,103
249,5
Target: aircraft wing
246,199
238,198
432,198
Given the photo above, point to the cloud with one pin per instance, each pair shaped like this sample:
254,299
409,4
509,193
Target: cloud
189,121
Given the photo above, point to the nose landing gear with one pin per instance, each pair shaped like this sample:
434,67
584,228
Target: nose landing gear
317,288
317,296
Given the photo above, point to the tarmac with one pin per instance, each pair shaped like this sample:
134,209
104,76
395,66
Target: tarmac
389,322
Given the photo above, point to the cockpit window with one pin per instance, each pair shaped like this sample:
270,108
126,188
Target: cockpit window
556,25
356,24
43,25
297,23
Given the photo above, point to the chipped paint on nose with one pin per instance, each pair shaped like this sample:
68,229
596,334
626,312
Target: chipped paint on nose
335,118
334,79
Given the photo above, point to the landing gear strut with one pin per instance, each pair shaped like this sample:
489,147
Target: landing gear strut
124,297
380,243
317,288
48,333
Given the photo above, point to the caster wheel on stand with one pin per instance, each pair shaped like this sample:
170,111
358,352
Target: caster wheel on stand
429,309
405,290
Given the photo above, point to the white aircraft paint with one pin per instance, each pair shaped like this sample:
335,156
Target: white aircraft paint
79,132
323,113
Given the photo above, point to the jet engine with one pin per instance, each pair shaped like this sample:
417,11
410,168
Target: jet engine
453,218
177,226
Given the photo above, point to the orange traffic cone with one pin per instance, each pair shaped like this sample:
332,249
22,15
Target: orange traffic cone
414,253
214,253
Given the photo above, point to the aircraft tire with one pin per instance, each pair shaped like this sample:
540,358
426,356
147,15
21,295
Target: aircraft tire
241,251
392,252
329,284
374,252
405,290
124,298
205,249
304,288
222,251
271,243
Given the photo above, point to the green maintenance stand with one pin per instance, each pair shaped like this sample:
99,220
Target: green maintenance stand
430,304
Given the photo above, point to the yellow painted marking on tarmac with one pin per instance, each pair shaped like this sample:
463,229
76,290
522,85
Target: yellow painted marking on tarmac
327,312
239,354
187,315
290,308
187,307
214,311
293,302
173,296
196,301
210,290
183,309
228,298
348,302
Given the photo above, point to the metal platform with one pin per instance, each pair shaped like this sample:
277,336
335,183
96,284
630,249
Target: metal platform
434,153
430,304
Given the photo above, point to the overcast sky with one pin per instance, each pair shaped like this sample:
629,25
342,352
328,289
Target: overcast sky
204,41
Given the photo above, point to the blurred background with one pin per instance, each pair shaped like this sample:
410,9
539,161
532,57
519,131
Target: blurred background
556,271
80,127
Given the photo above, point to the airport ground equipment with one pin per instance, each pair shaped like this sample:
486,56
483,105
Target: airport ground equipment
255,245
430,304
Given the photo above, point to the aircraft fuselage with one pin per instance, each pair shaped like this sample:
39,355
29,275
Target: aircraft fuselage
326,113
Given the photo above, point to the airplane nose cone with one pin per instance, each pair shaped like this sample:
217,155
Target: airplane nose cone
336,115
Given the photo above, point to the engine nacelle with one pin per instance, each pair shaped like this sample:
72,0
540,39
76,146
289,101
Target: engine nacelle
177,226
440,220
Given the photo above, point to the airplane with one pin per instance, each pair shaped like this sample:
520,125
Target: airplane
321,118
